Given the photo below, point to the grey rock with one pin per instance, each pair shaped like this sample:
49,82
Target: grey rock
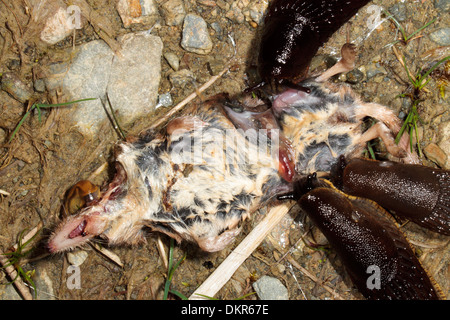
134,80
444,141
86,77
442,5
9,292
441,36
195,35
235,13
44,285
255,11
15,87
398,10
131,80
173,12
269,288
39,85
374,69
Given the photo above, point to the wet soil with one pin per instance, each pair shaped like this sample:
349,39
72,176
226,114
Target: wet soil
47,157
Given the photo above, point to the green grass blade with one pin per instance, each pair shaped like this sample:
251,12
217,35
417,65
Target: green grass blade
45,105
205,296
19,125
433,68
179,294
420,29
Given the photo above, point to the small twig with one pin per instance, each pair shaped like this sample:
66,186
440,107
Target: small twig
18,283
225,271
109,254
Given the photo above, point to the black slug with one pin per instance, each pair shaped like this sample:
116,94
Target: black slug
418,193
294,31
374,251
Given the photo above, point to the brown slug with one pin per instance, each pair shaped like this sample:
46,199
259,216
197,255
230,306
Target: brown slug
374,251
293,32
80,195
418,193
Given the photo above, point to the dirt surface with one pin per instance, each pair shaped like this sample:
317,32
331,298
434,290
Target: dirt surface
47,157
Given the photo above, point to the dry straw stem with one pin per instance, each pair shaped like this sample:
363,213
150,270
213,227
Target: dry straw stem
11,271
225,271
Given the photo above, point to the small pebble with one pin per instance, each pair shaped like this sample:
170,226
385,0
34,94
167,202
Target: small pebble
355,76
435,154
195,35
173,60
77,257
15,87
173,12
181,78
441,36
39,85
398,10
269,288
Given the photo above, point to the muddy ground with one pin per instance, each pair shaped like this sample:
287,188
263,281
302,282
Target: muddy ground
47,157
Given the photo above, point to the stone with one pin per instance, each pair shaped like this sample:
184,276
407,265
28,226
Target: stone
398,10
435,154
173,60
269,288
181,78
444,141
134,80
195,35
441,36
131,80
11,83
77,257
173,12
86,77
135,11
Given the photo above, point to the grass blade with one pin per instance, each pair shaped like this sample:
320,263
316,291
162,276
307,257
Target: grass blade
45,105
19,125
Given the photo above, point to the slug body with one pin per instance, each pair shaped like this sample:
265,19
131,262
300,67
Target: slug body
374,251
197,179
294,31
418,193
